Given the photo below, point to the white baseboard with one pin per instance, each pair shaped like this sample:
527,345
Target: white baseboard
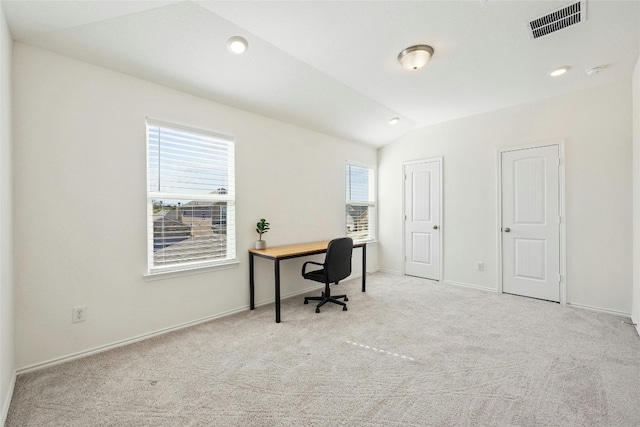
308,289
388,271
583,306
469,285
106,347
116,344
600,309
356,275
7,399
289,295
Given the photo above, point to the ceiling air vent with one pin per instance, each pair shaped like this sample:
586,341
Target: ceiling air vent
558,19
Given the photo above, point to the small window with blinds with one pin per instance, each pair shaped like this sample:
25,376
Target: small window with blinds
361,203
190,198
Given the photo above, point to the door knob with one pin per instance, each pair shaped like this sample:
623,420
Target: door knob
507,229
435,227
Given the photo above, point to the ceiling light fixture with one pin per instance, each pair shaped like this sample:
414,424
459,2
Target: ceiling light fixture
415,57
237,45
559,71
394,121
594,70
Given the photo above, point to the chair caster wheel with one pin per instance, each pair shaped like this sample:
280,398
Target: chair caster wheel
317,310
306,302
346,299
344,308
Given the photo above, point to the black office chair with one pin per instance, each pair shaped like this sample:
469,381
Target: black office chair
337,266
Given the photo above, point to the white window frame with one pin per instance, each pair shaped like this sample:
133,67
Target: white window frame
230,259
371,203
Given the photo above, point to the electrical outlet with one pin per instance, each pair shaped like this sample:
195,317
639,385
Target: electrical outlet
480,266
79,314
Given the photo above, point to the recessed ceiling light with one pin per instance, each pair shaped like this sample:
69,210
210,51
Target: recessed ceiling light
237,45
394,121
559,71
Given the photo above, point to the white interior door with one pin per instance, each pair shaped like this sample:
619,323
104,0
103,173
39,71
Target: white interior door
422,223
531,222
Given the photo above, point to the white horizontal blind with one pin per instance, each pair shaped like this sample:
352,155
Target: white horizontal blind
361,204
190,198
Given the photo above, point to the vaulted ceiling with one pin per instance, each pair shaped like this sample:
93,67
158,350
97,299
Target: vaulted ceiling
331,66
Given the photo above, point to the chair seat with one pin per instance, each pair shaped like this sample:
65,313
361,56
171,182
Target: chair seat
317,275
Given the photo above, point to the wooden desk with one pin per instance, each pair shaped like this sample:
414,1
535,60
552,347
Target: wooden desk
278,253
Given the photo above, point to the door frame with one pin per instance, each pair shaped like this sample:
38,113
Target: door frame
562,207
439,160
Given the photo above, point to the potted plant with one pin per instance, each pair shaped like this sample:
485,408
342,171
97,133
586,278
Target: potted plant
261,227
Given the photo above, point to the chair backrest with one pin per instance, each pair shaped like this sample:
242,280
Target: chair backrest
337,263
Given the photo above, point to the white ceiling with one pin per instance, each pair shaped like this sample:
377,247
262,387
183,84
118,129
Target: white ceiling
331,66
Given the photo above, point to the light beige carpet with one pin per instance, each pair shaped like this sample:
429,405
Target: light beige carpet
409,352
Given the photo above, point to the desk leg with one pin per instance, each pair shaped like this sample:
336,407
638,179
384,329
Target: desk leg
252,302
277,274
364,268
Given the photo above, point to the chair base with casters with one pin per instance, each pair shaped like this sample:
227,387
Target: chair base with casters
327,297
336,267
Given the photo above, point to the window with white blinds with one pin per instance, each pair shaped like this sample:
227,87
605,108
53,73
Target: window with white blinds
190,198
361,202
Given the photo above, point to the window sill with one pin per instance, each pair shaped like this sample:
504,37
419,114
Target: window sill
168,274
367,241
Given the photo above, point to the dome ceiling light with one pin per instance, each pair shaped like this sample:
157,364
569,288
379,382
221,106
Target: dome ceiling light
415,57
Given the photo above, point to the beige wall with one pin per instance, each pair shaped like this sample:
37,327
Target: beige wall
7,366
80,205
596,127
